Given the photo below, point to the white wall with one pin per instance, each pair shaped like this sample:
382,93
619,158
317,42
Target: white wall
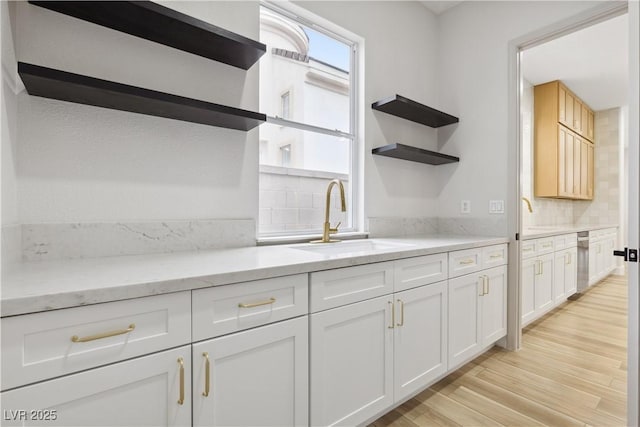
401,42
473,84
77,163
9,212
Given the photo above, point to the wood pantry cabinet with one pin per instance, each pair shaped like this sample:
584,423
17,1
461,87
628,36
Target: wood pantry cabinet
563,144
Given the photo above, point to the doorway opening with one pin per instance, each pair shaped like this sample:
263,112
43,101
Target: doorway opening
573,87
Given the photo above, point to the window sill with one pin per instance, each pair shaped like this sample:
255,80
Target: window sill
289,240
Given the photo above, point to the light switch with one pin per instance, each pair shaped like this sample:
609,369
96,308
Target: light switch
496,206
465,206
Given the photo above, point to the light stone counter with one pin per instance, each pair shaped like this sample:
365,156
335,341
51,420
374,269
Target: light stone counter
39,286
535,232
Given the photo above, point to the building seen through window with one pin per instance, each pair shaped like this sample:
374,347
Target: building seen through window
306,91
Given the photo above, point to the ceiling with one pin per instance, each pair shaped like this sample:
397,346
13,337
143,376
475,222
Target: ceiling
438,7
592,62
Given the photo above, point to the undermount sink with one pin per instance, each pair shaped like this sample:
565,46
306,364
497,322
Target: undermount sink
352,247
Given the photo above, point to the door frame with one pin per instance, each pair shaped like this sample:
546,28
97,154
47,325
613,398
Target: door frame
633,231
516,46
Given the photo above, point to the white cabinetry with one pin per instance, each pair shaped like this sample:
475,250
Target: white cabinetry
477,313
565,267
152,390
537,274
254,377
419,338
351,362
601,260
477,302
250,376
367,355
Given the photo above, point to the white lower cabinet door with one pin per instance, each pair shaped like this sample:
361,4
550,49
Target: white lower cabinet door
352,362
152,390
594,248
571,272
420,338
465,335
257,377
528,272
494,305
560,266
544,284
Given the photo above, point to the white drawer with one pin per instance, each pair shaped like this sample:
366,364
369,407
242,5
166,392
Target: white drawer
224,309
544,246
412,272
528,248
565,241
53,343
333,288
465,262
493,256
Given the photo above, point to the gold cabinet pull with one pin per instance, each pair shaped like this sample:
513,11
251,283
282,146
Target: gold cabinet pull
393,315
495,256
131,327
482,286
466,261
486,285
207,374
256,304
401,323
181,362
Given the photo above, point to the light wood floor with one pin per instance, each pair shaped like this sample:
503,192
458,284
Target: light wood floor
571,371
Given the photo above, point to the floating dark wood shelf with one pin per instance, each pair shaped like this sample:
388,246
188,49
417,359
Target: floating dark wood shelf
55,84
414,154
160,24
411,110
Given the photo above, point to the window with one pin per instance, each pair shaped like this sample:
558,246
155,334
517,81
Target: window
286,103
285,155
311,140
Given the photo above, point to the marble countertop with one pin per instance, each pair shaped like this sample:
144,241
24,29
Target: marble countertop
48,285
537,231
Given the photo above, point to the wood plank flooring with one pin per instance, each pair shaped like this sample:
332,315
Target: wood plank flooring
571,371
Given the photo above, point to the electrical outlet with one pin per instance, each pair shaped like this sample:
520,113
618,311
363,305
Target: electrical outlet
465,206
496,206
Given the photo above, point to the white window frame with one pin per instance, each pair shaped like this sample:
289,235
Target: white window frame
356,87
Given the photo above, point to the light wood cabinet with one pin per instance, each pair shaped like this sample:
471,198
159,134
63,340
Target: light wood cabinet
563,144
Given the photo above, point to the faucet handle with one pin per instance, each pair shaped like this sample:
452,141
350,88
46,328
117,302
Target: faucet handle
335,230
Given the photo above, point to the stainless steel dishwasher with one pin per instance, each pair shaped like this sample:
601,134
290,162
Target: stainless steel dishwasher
583,261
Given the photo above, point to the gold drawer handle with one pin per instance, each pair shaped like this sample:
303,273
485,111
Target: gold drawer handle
257,304
496,256
181,362
207,374
131,327
401,323
467,261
